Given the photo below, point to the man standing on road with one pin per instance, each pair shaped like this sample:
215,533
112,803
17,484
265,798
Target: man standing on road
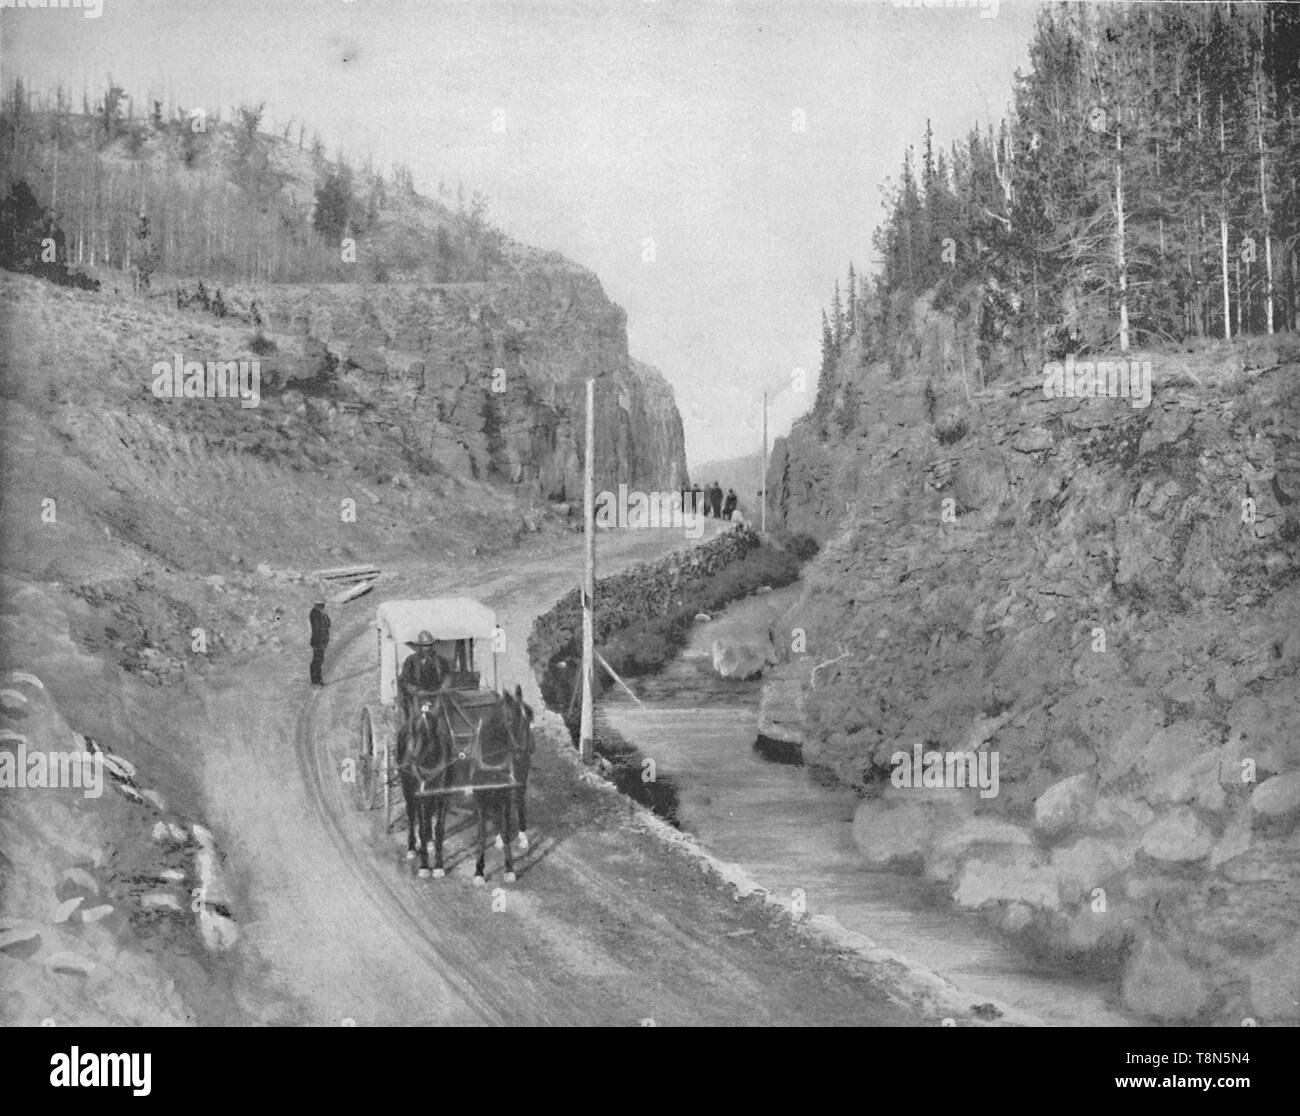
320,639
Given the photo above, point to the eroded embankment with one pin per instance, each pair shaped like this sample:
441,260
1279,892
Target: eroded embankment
116,907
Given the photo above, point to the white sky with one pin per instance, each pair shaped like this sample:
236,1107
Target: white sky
625,120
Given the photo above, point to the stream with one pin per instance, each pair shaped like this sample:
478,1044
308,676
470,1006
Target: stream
790,827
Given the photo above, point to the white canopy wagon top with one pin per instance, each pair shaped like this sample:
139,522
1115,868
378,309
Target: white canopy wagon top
455,623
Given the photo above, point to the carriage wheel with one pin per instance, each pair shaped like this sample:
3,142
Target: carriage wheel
366,763
388,777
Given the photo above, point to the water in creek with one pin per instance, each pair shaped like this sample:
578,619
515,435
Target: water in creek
790,829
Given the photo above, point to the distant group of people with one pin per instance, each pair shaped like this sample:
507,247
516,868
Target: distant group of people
710,500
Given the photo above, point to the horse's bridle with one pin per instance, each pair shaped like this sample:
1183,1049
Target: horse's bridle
429,703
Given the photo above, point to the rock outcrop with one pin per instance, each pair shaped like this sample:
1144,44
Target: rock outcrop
493,374
1107,597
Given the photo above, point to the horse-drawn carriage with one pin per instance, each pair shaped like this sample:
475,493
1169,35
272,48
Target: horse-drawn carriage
438,733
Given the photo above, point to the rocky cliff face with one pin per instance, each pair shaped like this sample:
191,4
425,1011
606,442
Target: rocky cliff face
493,374
1105,597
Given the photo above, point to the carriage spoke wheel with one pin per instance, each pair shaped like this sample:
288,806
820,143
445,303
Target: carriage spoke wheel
388,776
367,772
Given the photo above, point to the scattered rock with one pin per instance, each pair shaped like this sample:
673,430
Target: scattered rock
1275,803
1234,842
160,901
1225,683
12,701
1013,875
1160,984
169,832
1178,837
1032,439
741,661
1119,815
1275,984
67,962
974,834
118,767
21,942
64,910
1064,805
1089,863
81,878
217,930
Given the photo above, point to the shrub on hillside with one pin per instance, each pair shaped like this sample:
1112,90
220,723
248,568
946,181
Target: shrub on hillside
261,344
32,242
803,547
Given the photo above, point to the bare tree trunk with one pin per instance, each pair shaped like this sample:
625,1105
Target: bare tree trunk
1263,201
1223,230
1119,214
1237,269
1223,236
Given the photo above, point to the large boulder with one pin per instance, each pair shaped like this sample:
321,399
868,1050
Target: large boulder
1275,984
1064,805
971,837
1088,863
1159,983
1011,875
981,480
1178,837
741,661
1275,803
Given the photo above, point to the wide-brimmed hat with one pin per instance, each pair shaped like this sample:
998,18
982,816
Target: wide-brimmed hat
424,639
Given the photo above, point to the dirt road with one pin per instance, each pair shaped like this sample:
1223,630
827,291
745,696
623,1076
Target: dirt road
604,926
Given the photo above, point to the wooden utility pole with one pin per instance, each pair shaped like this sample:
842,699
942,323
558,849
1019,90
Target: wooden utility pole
763,466
586,739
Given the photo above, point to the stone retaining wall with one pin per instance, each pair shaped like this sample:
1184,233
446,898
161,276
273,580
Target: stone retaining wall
644,592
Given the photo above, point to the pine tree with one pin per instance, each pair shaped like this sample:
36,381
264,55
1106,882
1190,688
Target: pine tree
851,313
837,320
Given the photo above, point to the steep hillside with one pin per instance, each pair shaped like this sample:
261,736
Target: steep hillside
1106,597
154,541
488,380
487,341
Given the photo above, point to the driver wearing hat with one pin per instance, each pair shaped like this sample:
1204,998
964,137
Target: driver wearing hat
421,671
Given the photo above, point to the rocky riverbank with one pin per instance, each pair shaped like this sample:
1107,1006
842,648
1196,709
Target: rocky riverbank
1107,598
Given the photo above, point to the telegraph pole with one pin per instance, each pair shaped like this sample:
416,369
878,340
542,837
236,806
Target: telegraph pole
586,738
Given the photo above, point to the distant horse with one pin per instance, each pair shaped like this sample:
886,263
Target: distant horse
452,746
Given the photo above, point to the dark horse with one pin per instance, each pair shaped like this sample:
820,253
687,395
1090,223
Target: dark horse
475,745
519,715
